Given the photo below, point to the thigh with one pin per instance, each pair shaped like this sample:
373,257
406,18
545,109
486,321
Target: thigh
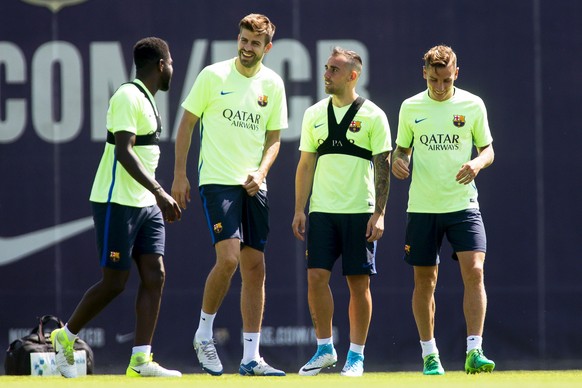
255,221
466,232
151,234
358,254
222,207
423,239
323,241
116,228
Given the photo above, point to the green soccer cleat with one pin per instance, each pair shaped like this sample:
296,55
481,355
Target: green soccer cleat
64,353
476,362
432,365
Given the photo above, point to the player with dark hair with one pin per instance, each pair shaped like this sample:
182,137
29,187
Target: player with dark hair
242,108
129,208
437,129
344,171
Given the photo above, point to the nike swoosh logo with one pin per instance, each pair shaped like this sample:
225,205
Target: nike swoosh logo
249,339
318,125
223,93
15,248
416,121
310,369
122,338
136,371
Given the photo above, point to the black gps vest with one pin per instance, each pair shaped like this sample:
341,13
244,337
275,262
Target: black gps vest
337,142
142,140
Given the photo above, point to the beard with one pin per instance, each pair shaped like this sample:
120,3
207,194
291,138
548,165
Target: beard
248,62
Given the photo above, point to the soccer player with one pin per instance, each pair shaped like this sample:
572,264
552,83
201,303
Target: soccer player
129,208
242,108
345,154
437,129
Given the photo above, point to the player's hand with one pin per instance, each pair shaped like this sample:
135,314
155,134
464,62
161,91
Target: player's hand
253,183
375,227
298,225
400,168
181,191
467,173
169,207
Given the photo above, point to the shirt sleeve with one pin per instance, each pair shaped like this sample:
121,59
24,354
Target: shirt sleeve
123,111
481,132
405,135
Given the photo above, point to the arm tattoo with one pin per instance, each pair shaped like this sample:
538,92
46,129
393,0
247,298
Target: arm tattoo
381,180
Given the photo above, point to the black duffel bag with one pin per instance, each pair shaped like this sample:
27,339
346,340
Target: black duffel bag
18,359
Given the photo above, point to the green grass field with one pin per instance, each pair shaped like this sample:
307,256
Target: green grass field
519,379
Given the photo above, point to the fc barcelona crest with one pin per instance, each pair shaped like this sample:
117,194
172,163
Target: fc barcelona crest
459,120
263,100
114,256
217,227
355,126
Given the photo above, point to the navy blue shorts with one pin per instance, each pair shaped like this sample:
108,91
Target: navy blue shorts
425,231
330,236
232,213
125,232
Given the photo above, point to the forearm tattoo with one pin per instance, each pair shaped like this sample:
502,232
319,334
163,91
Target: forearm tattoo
381,180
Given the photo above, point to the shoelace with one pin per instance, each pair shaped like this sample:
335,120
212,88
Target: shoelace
209,350
353,362
431,362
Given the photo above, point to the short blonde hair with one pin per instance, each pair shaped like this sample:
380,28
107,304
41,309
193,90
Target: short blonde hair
440,56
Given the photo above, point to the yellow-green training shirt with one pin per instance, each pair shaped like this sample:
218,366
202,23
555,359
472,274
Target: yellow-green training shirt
235,113
344,184
442,135
130,111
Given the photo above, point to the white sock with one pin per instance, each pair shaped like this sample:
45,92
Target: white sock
204,332
474,342
147,349
251,347
325,341
70,335
357,348
429,347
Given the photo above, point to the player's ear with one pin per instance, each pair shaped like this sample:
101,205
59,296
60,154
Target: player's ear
268,47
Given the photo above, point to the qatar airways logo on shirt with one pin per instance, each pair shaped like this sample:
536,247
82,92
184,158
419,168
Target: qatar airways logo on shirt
440,142
242,119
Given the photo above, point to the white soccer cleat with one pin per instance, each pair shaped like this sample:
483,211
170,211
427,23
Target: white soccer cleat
354,366
142,366
259,368
207,357
325,357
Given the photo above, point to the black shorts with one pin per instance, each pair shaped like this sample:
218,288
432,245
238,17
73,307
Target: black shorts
232,213
425,231
124,232
330,236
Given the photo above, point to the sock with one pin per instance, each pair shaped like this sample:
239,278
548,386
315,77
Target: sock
204,332
325,341
357,348
251,347
429,347
146,349
474,342
70,335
